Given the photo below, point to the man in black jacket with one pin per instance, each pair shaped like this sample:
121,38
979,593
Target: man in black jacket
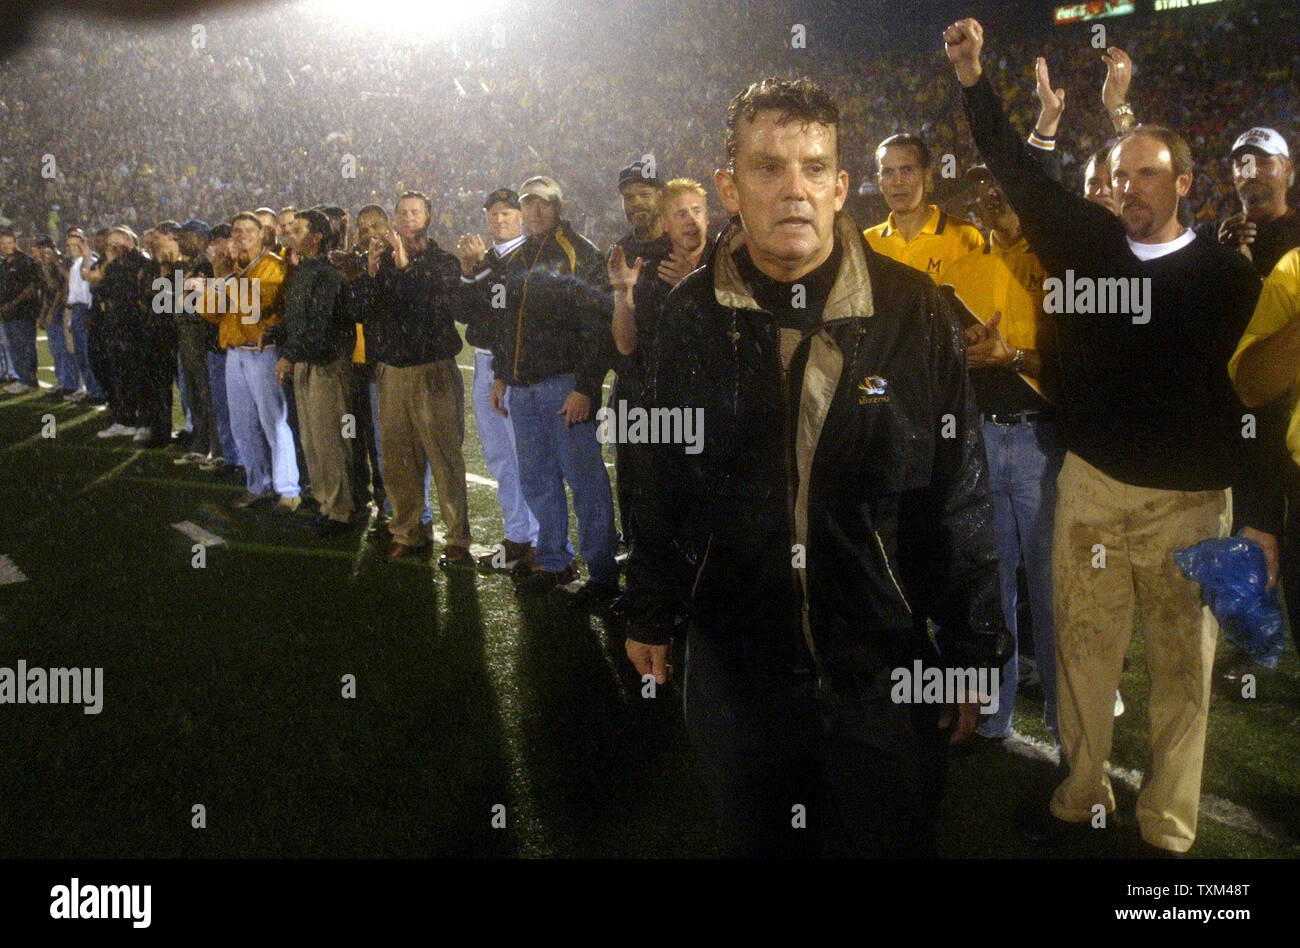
551,346
412,339
840,500
1147,316
20,305
317,352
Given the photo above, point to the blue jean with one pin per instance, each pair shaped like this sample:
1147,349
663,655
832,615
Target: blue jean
21,334
497,436
182,385
1024,461
550,455
221,407
427,516
65,367
259,420
77,315
6,367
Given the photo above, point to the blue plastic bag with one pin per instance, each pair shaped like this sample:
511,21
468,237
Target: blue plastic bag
1233,574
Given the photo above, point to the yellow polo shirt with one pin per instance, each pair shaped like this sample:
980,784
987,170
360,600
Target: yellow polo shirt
1278,307
1006,280
270,271
935,246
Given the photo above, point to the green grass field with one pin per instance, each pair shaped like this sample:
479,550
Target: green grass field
223,688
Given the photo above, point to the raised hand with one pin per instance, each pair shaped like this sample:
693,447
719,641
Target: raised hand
621,276
673,270
963,42
1052,102
470,251
1119,73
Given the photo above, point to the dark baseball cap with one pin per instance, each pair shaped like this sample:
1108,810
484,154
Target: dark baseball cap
220,232
634,174
198,227
501,194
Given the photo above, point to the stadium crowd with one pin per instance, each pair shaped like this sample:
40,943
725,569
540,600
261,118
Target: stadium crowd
310,334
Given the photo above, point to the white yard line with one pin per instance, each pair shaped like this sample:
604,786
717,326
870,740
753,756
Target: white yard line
198,534
9,572
1213,808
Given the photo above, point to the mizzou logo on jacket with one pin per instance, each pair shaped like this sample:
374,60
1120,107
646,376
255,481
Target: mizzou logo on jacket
873,390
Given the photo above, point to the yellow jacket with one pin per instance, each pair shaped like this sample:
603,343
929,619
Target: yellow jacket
228,301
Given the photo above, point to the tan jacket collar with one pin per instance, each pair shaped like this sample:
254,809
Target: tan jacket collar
850,296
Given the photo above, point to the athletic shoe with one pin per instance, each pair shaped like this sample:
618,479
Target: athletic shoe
142,435
1119,703
212,463
116,430
193,457
78,395
19,388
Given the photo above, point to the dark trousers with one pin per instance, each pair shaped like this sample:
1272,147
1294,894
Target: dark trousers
867,773
367,481
151,355
192,338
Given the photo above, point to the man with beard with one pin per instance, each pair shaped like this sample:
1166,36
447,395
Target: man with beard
20,305
640,288
1002,287
826,516
495,432
639,187
1266,227
1153,434
916,233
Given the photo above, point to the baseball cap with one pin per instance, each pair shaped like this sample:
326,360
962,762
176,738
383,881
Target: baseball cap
1263,139
542,187
199,227
635,174
501,194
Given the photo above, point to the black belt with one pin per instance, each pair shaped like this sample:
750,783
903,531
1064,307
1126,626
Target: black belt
1018,418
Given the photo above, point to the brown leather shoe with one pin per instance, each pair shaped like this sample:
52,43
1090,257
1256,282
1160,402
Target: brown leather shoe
453,555
542,580
516,557
396,550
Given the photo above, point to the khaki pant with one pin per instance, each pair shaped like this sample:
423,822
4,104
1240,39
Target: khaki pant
1137,529
422,416
322,393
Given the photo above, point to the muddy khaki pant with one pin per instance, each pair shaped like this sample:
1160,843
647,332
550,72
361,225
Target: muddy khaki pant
323,396
422,415
1134,531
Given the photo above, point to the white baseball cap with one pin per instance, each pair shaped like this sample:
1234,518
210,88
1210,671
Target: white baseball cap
1266,140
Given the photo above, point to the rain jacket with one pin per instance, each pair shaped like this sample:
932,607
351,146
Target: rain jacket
848,463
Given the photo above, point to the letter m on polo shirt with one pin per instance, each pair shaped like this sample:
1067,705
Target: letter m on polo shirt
933,266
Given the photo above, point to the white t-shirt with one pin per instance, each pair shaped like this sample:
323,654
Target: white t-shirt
1152,251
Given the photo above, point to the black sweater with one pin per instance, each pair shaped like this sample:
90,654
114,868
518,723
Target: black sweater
1148,403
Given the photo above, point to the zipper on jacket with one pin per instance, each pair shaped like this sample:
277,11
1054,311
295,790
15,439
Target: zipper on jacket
890,570
523,298
703,562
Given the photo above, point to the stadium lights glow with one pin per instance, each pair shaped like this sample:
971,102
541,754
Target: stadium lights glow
410,18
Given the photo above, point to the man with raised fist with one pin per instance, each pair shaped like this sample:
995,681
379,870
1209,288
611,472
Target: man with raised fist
1153,435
